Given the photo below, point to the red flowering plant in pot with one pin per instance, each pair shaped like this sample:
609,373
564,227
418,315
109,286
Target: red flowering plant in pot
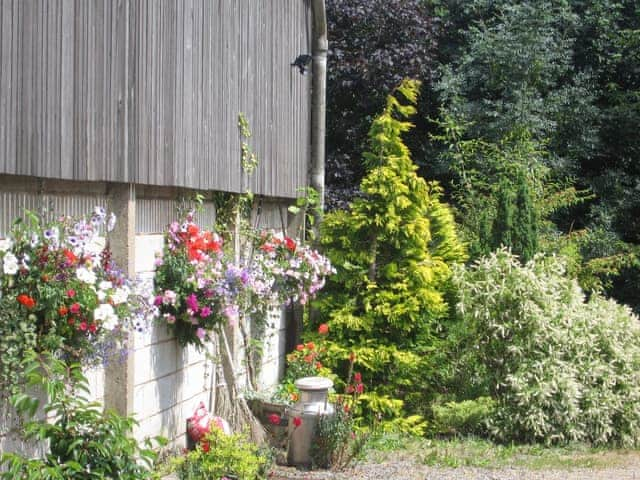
62,292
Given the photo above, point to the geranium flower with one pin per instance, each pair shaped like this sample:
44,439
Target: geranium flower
205,312
357,377
274,419
290,244
323,329
75,308
26,300
311,345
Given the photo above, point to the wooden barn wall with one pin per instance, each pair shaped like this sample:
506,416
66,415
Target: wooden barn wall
149,91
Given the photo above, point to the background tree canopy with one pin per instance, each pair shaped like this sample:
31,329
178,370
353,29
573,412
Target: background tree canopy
548,91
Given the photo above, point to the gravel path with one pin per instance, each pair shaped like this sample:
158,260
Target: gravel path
409,470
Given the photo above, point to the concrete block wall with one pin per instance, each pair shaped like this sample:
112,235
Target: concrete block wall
169,380
161,383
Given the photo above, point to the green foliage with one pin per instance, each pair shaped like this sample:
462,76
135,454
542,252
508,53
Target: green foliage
84,442
560,369
392,250
515,223
462,418
17,338
335,443
224,456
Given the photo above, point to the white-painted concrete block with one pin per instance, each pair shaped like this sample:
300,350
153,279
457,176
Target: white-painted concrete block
95,377
157,332
153,397
146,248
155,361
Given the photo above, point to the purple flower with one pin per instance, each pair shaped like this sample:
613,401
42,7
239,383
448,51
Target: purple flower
192,303
157,301
244,277
205,312
200,333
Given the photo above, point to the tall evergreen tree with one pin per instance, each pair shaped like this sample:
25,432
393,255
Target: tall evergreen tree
525,222
392,250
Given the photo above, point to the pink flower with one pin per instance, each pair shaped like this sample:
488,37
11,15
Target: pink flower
274,419
297,421
201,333
205,312
192,303
323,329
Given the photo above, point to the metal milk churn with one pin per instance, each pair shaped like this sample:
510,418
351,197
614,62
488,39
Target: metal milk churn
304,415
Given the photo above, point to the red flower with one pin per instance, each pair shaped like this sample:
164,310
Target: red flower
93,327
318,365
359,388
267,247
193,229
308,358
323,329
290,244
75,308
206,447
62,311
346,408
297,421
71,321
311,345
357,377
350,388
83,326
71,293
26,300
71,258
300,347
274,419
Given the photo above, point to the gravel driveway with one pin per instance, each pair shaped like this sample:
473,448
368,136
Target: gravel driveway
408,470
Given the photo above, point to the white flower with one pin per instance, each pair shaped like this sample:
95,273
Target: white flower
101,295
5,244
121,295
104,285
107,315
10,264
85,275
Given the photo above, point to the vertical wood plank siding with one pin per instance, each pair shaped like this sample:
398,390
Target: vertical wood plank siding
149,91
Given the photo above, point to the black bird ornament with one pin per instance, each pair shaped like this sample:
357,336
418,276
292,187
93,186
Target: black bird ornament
303,62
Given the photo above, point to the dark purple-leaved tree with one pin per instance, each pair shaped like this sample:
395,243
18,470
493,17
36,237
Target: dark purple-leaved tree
373,45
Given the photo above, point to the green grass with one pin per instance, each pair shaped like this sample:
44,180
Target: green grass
475,452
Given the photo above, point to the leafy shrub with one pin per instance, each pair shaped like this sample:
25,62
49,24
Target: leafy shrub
465,417
84,442
560,369
220,455
392,250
